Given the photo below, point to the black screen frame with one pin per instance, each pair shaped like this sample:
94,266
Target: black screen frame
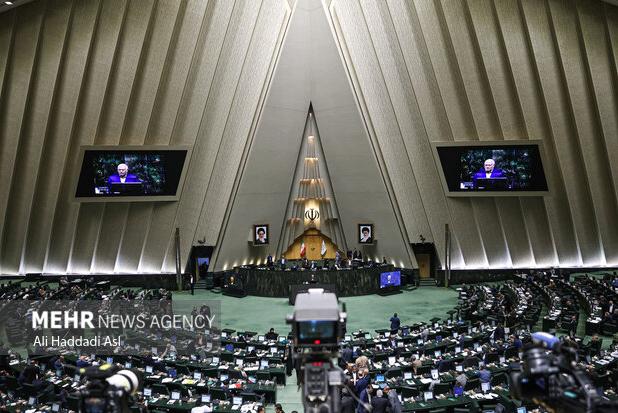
538,144
88,149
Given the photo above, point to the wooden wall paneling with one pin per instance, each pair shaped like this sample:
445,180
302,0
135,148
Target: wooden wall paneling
35,123
15,97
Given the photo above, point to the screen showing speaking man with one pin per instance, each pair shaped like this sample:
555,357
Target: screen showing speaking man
492,168
116,183
117,173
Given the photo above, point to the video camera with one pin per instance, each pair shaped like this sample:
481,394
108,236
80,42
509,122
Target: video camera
552,379
318,326
108,389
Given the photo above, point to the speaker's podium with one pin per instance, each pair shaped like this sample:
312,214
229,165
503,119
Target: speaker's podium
127,188
493,184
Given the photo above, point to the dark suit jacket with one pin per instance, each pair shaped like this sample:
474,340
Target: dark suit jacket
361,385
496,173
115,179
347,404
379,404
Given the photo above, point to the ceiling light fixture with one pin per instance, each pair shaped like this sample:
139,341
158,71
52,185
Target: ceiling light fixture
8,3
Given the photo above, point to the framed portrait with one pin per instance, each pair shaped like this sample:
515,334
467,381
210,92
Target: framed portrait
365,233
260,234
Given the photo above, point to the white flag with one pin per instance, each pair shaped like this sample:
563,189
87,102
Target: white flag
323,250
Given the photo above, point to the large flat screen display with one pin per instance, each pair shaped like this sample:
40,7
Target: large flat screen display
492,168
131,174
390,279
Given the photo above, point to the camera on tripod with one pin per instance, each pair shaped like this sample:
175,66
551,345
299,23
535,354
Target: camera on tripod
318,326
552,379
108,389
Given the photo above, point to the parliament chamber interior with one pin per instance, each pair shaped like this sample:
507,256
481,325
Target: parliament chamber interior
321,206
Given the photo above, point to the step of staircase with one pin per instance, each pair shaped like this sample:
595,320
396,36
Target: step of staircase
427,282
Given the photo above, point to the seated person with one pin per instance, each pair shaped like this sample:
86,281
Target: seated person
271,335
458,389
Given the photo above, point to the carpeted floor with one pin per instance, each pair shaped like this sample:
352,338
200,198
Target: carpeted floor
367,312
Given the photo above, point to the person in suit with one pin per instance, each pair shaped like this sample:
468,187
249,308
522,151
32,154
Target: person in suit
395,323
489,170
271,335
365,398
282,262
379,403
393,400
122,176
484,375
363,380
499,333
347,354
347,402
269,260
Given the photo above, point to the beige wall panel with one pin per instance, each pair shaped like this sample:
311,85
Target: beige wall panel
568,164
109,132
87,230
603,85
483,109
499,72
586,125
65,234
444,65
201,76
540,233
132,242
7,26
406,107
500,81
156,49
492,232
36,117
234,49
166,22
472,71
237,135
515,231
527,88
54,152
374,95
267,178
128,57
453,97
113,226
15,96
173,83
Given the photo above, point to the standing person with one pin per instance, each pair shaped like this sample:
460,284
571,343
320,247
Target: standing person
395,323
393,400
379,404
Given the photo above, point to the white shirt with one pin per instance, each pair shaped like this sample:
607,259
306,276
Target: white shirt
123,179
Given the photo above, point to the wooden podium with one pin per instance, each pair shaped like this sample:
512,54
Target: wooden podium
313,244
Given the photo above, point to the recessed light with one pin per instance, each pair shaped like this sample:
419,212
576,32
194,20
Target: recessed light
8,3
